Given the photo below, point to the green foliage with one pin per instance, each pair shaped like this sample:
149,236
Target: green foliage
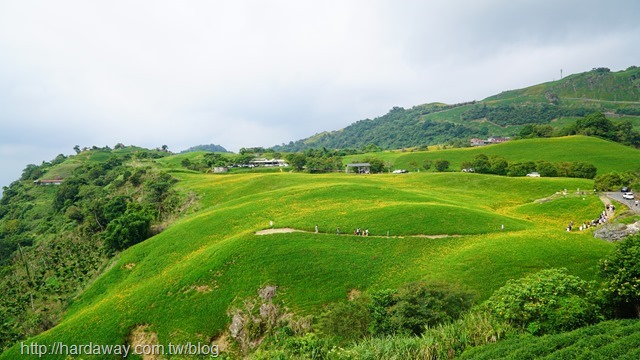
444,341
414,307
297,160
377,164
128,229
545,302
209,148
621,271
498,165
606,340
418,306
346,320
614,181
426,164
380,309
521,168
441,165
59,230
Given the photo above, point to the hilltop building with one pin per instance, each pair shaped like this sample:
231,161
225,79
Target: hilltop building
268,163
48,182
360,168
489,141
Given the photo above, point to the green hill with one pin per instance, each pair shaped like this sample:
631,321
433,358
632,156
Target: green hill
181,283
555,103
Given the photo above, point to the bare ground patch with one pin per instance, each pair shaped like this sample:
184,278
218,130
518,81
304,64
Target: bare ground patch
277,231
143,338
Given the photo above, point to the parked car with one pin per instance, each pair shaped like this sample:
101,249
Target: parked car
625,189
533,174
628,196
400,171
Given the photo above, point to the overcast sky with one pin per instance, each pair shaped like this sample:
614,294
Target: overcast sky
260,73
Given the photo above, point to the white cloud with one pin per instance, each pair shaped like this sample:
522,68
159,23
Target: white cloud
259,73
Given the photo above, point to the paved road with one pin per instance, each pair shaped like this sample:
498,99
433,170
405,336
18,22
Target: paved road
617,196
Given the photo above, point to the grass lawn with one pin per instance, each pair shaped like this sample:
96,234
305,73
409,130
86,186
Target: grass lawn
182,282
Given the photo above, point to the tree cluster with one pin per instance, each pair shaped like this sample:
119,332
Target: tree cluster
316,160
498,165
520,114
597,124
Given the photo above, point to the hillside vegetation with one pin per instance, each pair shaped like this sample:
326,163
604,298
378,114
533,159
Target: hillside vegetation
436,228
557,104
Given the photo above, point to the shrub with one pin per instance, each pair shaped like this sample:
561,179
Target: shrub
418,305
441,165
545,302
346,320
622,273
129,229
414,307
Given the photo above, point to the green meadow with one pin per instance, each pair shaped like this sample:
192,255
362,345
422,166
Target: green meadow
605,155
441,227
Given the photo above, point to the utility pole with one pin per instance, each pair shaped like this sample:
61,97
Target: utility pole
560,74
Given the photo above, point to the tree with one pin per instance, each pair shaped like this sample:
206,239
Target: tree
498,165
521,169
77,149
297,160
595,124
622,273
418,306
427,164
129,229
583,170
377,165
546,168
441,165
481,164
346,320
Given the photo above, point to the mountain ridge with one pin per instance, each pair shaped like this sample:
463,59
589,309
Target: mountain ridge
503,114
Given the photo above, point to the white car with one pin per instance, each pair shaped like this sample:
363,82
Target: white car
628,196
400,171
533,174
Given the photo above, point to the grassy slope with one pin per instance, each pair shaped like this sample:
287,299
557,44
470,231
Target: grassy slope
605,155
155,282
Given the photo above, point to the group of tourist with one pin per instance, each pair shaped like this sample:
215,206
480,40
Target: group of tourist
357,232
604,216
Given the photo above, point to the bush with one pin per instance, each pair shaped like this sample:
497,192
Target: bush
545,302
129,229
346,320
414,307
441,165
418,306
622,273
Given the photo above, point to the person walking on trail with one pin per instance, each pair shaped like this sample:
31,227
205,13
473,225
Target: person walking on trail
316,228
338,231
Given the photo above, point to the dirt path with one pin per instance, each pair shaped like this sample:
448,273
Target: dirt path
277,231
290,230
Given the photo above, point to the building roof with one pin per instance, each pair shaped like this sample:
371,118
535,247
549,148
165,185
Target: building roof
359,165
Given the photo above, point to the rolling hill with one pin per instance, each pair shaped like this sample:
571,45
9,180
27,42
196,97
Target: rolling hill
434,227
557,103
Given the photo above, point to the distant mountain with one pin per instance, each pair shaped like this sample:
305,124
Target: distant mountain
557,103
209,148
